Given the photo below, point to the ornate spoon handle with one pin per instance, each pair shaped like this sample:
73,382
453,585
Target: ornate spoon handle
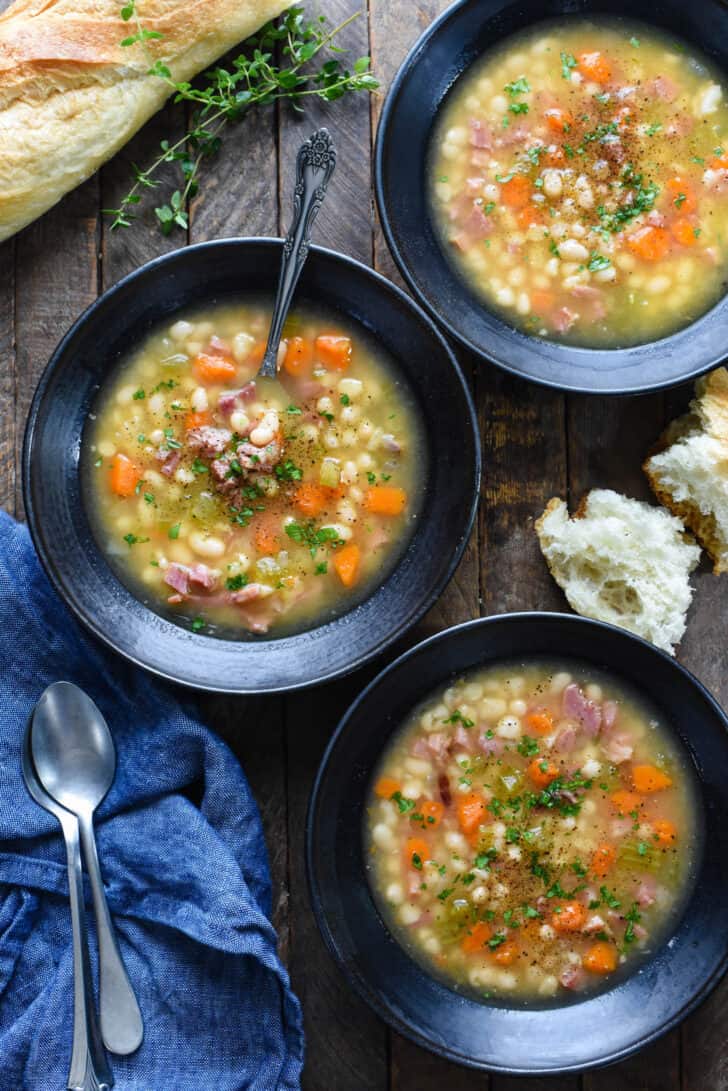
314,166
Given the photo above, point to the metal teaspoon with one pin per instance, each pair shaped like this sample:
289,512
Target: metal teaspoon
75,760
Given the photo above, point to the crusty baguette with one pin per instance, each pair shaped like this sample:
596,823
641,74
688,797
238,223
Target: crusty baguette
688,468
622,561
71,96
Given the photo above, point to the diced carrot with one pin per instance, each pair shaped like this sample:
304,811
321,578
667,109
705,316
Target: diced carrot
196,420
476,938
527,216
506,953
665,831
334,352
559,120
682,195
416,847
516,193
569,917
124,476
346,563
540,723
386,787
595,66
311,499
214,369
266,533
542,772
625,802
601,958
385,500
256,354
432,811
647,779
299,356
649,243
603,860
471,812
719,163
684,232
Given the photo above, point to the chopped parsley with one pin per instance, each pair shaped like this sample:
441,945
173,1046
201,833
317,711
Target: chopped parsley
293,411
322,568
138,395
521,86
458,718
680,200
528,747
598,262
345,399
496,940
633,917
237,582
489,208
198,623
173,532
199,467
404,806
288,471
98,461
417,861
652,130
635,42
131,539
307,534
149,497
518,107
568,63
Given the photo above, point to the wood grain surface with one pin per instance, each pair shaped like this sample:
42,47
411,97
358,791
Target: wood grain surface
536,444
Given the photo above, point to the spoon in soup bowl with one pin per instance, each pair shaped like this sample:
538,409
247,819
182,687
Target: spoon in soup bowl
315,164
75,760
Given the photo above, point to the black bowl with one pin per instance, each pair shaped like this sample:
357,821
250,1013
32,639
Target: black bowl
466,30
54,497
603,1028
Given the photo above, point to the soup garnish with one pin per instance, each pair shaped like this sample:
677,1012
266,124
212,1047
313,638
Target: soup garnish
580,182
250,508
530,830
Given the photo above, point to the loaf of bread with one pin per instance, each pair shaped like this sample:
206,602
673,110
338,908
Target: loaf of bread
71,95
689,470
622,561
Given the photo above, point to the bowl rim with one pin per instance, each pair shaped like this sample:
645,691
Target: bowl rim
381,142
358,983
34,522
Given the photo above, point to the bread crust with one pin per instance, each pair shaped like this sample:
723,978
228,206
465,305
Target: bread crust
71,96
708,414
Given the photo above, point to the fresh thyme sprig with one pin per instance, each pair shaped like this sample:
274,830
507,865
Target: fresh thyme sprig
254,78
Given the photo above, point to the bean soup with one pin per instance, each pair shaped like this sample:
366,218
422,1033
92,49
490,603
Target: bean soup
579,181
531,831
244,508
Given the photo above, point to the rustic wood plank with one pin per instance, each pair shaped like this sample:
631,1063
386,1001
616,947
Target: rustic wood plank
546,1083
417,1069
56,278
346,1043
8,377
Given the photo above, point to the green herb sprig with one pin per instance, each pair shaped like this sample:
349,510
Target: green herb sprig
275,64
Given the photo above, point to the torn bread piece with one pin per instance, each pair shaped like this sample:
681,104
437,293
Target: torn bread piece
689,470
622,561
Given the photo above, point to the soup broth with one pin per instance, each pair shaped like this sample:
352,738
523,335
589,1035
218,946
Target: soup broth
244,507
531,831
579,180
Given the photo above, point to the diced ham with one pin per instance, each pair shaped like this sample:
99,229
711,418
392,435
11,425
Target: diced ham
181,576
663,87
175,600
414,882
646,891
610,710
493,746
460,208
594,297
443,785
474,186
230,400
249,593
480,158
513,137
566,739
419,748
218,347
171,462
439,744
572,977
463,738
563,320
578,707
618,748
475,228
656,219
681,125
481,135
716,180
379,537
595,923
640,933
208,441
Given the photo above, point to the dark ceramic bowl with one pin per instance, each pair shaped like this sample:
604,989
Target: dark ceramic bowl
466,30
55,500
602,1028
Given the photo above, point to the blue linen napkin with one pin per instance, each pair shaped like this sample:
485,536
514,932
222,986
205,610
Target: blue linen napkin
187,884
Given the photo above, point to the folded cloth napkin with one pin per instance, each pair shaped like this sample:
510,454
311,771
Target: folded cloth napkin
187,883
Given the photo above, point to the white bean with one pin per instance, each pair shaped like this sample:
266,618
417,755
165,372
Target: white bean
408,914
198,399
383,837
239,421
552,183
710,99
180,330
571,250
206,546
508,727
351,387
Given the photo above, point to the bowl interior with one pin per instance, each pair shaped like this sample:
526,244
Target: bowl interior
601,1028
465,31
55,501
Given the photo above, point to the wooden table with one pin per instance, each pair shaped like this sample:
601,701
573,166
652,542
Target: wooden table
536,444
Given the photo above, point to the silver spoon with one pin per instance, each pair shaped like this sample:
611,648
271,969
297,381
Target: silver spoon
315,164
89,1069
75,760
